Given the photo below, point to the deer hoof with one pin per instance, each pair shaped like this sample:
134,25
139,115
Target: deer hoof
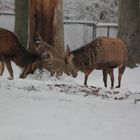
10,78
117,87
111,88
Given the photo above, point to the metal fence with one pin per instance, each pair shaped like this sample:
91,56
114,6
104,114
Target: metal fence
76,33
7,20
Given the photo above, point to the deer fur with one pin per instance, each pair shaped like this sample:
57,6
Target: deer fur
50,60
104,54
12,50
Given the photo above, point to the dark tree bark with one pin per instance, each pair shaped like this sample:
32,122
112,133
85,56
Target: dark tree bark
21,20
129,28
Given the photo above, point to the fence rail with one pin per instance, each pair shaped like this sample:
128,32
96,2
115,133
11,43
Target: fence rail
7,13
76,32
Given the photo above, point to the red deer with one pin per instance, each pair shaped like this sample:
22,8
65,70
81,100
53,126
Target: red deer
54,61
12,50
51,60
102,54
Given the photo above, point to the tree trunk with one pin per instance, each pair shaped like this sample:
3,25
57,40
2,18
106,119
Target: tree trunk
129,28
46,18
21,20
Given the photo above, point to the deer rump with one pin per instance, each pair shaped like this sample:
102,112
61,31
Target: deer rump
103,54
12,50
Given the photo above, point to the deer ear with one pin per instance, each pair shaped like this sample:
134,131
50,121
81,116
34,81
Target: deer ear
67,50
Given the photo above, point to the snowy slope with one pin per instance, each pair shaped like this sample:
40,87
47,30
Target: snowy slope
7,6
46,108
94,10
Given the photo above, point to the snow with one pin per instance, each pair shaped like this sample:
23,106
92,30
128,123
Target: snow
93,10
41,107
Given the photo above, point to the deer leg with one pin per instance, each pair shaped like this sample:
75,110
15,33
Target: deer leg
26,71
105,77
23,72
9,68
120,71
86,78
110,71
1,67
59,73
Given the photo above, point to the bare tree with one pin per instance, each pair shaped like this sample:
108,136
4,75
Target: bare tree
21,20
129,28
46,18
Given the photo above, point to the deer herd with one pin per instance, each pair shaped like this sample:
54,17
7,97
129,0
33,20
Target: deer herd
103,53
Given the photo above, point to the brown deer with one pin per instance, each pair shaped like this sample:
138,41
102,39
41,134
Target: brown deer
103,54
12,50
50,60
55,62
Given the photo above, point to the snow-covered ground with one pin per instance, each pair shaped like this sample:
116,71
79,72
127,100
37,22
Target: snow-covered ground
46,108
41,107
